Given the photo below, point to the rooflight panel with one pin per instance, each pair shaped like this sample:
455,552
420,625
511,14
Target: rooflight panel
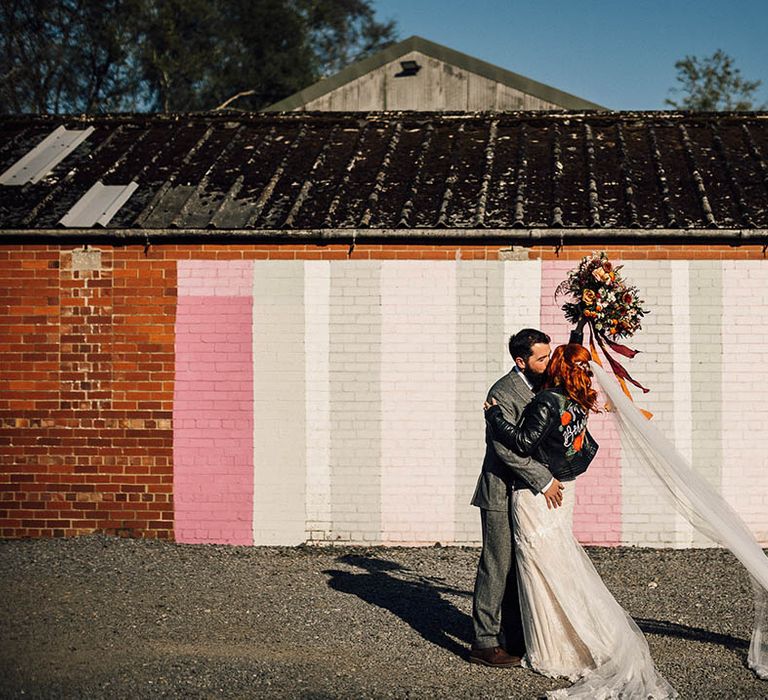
98,205
44,157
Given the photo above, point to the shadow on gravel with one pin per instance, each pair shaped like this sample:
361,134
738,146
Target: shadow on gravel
414,598
697,634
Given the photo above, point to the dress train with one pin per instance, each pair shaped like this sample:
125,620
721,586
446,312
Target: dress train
573,626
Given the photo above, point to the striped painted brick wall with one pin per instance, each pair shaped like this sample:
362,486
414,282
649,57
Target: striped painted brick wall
340,400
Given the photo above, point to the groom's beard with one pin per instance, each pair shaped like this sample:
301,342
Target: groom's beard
536,380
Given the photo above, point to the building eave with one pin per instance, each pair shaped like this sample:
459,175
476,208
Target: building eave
419,236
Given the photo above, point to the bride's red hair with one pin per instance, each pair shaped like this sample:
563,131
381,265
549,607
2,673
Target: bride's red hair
569,370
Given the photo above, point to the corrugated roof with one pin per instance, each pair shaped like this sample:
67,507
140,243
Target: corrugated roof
677,173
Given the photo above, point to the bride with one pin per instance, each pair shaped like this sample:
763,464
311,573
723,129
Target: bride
573,626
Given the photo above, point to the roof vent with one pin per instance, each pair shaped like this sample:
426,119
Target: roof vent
98,205
44,157
409,68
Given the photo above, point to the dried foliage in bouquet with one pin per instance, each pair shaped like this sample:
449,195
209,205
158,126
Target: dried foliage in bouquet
604,302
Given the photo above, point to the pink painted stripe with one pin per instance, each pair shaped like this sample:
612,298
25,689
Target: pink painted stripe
215,278
597,514
213,420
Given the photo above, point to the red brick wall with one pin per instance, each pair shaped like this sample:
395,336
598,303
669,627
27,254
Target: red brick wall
86,386
86,393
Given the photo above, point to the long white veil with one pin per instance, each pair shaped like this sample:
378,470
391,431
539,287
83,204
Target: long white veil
650,451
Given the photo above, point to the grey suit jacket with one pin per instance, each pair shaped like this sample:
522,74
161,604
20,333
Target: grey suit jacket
501,465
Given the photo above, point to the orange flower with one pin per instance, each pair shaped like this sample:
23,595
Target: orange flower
577,443
565,418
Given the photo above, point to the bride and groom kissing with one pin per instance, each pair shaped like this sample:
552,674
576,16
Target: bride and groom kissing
538,600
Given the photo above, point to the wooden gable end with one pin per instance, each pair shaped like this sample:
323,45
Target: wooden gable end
438,86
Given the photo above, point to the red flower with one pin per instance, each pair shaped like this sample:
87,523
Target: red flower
577,443
565,418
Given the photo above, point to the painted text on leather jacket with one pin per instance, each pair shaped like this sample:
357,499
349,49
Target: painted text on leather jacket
552,429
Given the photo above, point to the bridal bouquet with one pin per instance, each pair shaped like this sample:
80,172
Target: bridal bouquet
602,297
609,306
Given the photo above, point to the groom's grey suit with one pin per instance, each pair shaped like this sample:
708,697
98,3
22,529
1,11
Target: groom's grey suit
496,608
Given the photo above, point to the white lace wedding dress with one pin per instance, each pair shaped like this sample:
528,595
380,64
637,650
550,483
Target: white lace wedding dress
573,626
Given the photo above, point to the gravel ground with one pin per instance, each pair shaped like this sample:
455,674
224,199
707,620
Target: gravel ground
101,617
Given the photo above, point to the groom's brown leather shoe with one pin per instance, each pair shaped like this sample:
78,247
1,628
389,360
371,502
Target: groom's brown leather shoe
494,656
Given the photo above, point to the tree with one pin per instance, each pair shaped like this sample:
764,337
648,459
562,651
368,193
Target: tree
343,31
267,51
176,51
64,56
713,84
196,53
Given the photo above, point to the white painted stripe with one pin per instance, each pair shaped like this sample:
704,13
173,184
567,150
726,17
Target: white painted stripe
522,295
681,374
317,291
279,452
647,520
418,395
744,474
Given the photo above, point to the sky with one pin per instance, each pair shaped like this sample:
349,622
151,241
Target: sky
620,54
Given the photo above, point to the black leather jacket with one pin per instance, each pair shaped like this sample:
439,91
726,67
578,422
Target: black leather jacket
552,429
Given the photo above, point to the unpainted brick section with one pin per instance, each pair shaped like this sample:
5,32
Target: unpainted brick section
86,391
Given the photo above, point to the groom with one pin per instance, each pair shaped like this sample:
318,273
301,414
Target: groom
495,607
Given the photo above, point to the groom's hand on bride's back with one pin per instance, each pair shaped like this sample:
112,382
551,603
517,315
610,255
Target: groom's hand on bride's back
554,494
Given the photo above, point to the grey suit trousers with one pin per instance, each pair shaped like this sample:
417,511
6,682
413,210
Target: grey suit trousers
496,607
496,586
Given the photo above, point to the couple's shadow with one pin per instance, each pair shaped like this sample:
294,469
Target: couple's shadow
414,598
696,634
418,601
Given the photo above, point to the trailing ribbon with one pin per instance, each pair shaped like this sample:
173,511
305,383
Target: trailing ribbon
621,349
616,366
618,369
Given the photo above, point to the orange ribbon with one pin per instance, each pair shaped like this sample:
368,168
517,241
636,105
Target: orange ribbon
622,383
